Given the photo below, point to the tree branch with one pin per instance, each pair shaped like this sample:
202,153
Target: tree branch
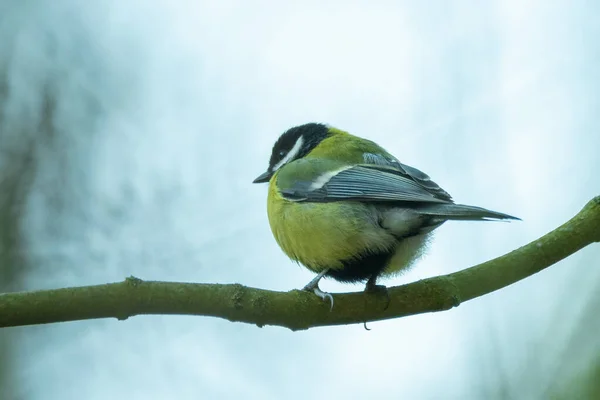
298,309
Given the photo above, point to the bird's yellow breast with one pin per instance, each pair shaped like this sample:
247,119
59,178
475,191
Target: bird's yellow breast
323,235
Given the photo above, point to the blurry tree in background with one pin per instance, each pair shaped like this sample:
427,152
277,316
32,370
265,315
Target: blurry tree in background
35,164
577,375
17,167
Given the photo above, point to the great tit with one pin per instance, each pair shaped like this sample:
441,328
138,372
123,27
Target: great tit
346,208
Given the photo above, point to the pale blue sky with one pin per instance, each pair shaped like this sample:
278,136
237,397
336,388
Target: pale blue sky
166,111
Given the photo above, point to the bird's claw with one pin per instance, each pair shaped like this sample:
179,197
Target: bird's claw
324,296
313,286
379,290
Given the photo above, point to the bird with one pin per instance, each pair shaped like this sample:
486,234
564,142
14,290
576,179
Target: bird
345,208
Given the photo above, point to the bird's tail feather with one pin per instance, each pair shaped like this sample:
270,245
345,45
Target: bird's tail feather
462,212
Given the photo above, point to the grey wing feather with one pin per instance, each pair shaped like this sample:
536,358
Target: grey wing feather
369,183
418,176
380,183
459,212
423,179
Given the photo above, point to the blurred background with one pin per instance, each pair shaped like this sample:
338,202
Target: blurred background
130,133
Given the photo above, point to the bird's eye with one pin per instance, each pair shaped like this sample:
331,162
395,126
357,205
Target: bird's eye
282,153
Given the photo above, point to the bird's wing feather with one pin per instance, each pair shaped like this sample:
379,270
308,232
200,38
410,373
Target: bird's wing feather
418,176
363,182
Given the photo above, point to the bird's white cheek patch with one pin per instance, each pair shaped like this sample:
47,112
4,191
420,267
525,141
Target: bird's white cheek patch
291,154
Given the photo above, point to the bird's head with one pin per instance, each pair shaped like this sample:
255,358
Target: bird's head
293,144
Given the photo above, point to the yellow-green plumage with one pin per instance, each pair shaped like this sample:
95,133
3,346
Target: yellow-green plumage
344,147
321,235
325,235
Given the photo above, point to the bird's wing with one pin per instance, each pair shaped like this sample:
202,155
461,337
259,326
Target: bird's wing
364,182
418,176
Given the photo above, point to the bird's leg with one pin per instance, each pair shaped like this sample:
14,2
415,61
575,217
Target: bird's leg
313,286
372,287
310,286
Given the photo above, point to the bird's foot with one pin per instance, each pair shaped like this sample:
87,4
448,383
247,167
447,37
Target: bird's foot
313,286
324,296
379,290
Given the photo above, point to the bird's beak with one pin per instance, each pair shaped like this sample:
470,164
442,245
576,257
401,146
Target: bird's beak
264,177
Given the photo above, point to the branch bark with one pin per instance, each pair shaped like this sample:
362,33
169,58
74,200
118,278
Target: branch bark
297,309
